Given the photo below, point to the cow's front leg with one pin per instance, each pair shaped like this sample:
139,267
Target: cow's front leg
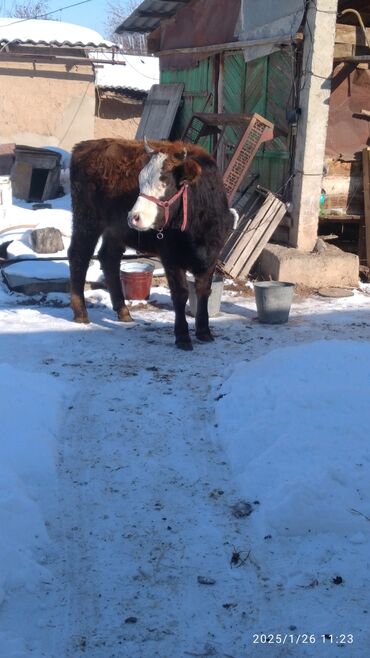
179,293
110,255
203,284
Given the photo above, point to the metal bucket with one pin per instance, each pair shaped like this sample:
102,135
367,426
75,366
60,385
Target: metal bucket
273,300
214,300
136,280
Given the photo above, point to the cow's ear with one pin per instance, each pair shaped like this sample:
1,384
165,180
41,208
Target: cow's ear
189,171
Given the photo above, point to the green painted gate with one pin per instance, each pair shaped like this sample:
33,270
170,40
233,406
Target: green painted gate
263,85
198,96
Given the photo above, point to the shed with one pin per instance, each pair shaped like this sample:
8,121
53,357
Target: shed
277,59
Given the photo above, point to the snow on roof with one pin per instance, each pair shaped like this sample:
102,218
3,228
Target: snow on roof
131,71
44,32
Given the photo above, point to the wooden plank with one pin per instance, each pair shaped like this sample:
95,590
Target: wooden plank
159,111
254,236
263,234
366,175
246,243
245,234
352,34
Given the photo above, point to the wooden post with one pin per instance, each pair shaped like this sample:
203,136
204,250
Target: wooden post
366,177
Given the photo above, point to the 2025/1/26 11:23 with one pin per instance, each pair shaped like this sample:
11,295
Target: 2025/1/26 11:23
339,639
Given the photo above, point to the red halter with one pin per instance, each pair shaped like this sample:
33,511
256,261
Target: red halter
183,191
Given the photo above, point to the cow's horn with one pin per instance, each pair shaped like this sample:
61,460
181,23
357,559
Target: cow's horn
148,149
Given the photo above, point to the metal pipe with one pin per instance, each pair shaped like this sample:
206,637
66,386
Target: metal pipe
358,15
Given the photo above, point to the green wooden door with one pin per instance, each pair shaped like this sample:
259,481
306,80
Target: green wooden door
262,86
198,96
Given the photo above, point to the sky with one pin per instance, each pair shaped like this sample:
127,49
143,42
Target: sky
159,505
93,14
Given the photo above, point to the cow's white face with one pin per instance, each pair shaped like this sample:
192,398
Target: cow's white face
143,214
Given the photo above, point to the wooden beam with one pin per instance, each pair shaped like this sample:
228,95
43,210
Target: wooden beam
231,45
57,59
366,175
45,59
351,34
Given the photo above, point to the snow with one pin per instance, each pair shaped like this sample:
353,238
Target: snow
49,32
132,72
162,504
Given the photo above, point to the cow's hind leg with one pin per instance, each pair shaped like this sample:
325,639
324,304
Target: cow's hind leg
80,251
179,293
203,284
110,255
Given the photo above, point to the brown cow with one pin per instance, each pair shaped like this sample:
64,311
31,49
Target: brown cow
178,211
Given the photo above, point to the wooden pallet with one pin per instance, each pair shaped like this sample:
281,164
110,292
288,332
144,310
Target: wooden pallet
260,214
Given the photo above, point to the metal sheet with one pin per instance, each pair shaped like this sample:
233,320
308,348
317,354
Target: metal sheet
148,15
348,129
203,23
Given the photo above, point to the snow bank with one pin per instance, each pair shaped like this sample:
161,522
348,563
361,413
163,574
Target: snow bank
30,408
297,437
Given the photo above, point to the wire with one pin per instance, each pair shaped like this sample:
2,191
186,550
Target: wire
139,72
61,140
49,13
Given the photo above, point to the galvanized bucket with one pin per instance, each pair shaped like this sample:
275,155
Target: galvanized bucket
273,300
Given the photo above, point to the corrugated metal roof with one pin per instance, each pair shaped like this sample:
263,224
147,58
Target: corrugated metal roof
148,15
47,33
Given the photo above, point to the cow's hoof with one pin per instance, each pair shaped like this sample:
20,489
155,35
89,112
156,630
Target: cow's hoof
81,319
185,345
205,337
124,316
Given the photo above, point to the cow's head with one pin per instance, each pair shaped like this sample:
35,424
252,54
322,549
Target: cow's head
161,180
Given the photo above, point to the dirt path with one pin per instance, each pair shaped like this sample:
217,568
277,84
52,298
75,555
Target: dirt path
141,513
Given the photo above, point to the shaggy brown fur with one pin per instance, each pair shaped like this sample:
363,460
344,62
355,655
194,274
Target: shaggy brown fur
104,187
